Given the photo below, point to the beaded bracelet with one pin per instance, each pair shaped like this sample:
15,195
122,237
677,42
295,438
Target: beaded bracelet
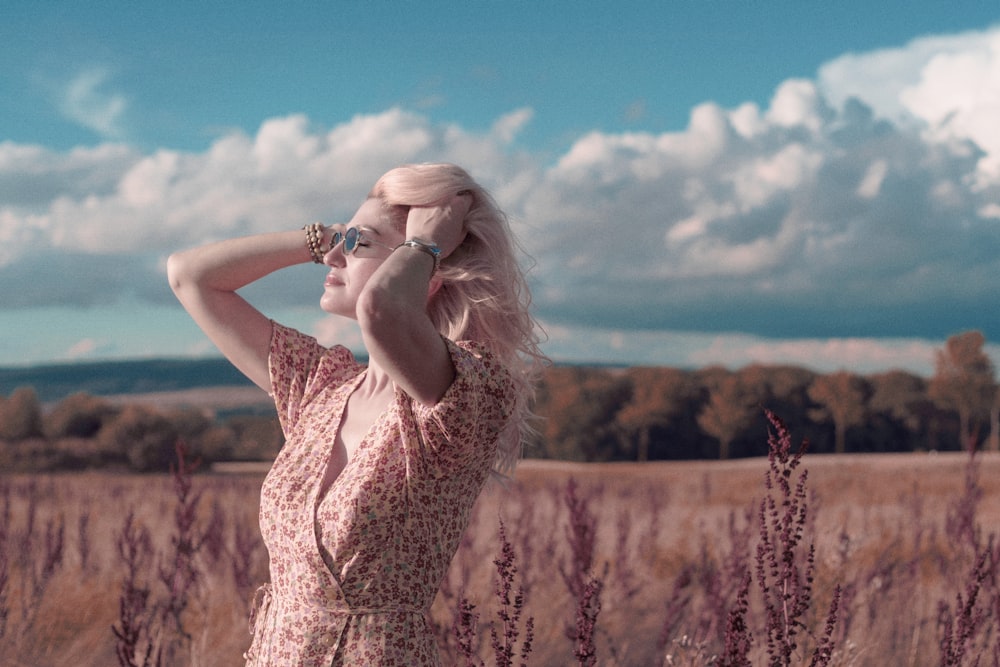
314,241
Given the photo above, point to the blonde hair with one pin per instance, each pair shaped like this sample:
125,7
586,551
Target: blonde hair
484,296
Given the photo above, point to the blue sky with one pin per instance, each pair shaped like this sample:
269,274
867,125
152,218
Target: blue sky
697,182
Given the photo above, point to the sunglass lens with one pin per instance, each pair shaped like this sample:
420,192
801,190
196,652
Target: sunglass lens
350,240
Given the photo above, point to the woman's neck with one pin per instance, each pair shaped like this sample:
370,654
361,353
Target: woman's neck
376,381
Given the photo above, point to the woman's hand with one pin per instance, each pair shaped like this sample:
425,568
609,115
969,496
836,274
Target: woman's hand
441,224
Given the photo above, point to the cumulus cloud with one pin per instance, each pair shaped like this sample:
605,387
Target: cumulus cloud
33,177
110,214
949,85
110,199
812,217
849,205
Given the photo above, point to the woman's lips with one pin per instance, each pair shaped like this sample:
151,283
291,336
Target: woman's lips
332,280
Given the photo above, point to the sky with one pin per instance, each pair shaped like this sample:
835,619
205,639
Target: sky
693,182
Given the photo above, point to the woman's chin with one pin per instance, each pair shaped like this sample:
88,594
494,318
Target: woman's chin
334,307
327,305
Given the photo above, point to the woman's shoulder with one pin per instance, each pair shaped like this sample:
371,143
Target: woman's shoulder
476,353
476,363
307,354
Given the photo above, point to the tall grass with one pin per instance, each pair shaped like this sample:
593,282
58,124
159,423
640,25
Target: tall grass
831,560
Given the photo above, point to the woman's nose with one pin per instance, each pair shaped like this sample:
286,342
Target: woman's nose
335,255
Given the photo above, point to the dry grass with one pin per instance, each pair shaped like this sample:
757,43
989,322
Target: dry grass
874,518
879,523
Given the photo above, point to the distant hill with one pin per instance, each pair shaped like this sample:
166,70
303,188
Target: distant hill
53,382
105,378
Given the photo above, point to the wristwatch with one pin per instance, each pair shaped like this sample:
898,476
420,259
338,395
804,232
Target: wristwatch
423,246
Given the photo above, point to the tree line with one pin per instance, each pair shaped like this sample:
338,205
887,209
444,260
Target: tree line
83,431
585,414
651,413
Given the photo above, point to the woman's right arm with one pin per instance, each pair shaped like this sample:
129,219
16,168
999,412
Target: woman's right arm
205,280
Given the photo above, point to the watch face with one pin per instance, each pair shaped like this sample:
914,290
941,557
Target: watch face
426,246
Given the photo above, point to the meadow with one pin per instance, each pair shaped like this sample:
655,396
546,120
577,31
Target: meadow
867,559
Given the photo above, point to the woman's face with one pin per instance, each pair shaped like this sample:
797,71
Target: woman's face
349,273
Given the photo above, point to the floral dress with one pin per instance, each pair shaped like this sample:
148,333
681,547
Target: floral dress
354,572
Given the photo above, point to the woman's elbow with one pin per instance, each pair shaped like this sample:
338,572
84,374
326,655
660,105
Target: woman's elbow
377,310
178,272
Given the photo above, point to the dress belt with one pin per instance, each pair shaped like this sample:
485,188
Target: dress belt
259,615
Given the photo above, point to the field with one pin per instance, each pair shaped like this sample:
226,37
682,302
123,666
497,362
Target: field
619,564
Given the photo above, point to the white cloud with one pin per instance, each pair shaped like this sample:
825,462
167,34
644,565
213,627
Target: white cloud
86,100
507,127
338,331
949,85
87,348
821,354
797,103
734,351
871,183
286,174
760,180
809,215
746,120
32,177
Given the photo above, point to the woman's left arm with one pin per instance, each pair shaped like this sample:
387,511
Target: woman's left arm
392,308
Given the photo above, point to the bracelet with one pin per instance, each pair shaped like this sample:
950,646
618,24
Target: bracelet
314,241
423,246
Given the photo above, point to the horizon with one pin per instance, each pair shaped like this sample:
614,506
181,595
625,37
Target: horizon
218,358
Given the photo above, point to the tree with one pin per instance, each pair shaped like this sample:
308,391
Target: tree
79,415
842,396
963,381
216,443
20,415
899,394
788,387
579,406
727,414
146,437
659,395
900,399
257,438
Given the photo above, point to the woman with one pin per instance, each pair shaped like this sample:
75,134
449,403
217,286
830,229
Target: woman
365,504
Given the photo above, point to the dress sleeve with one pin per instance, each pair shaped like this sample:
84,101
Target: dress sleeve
463,428
299,367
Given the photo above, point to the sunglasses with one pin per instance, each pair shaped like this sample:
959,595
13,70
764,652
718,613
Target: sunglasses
353,239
